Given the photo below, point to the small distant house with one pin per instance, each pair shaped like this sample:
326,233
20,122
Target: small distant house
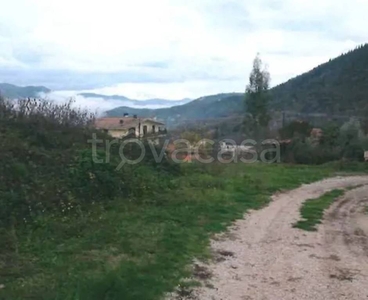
119,127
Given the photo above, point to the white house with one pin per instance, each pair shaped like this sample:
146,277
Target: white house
122,126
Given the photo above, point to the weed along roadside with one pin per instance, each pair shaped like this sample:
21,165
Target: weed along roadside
312,210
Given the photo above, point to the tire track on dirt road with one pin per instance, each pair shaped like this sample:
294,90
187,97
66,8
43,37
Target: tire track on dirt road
268,259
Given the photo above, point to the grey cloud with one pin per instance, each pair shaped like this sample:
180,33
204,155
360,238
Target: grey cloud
225,22
27,56
56,78
74,80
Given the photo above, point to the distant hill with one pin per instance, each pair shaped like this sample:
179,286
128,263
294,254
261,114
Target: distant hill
215,106
138,103
339,86
12,91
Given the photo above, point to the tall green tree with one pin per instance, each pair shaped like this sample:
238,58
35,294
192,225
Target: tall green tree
257,95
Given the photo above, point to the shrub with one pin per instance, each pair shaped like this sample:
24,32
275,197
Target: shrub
299,129
91,181
337,143
47,164
38,139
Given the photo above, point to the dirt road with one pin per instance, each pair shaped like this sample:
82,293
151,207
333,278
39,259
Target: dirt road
263,257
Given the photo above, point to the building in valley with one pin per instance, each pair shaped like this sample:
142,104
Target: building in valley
119,127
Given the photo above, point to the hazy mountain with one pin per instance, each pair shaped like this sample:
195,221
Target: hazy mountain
12,91
215,106
141,103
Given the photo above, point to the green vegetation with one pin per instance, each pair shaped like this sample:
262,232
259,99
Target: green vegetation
347,142
73,228
296,129
336,87
312,210
257,96
48,164
137,246
12,91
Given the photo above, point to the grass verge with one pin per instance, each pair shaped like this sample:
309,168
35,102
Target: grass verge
312,210
139,249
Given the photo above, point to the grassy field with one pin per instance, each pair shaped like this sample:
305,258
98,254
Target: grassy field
140,249
312,210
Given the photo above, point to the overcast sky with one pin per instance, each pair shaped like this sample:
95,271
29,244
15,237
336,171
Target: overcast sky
170,48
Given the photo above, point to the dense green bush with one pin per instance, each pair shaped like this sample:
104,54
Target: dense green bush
38,140
347,142
91,181
300,129
47,164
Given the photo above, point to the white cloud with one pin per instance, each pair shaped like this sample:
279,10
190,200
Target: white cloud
171,48
173,91
100,105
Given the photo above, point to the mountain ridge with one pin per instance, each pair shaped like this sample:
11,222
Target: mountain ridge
13,91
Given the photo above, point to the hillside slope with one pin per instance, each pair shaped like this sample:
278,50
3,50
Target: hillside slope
12,91
338,86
